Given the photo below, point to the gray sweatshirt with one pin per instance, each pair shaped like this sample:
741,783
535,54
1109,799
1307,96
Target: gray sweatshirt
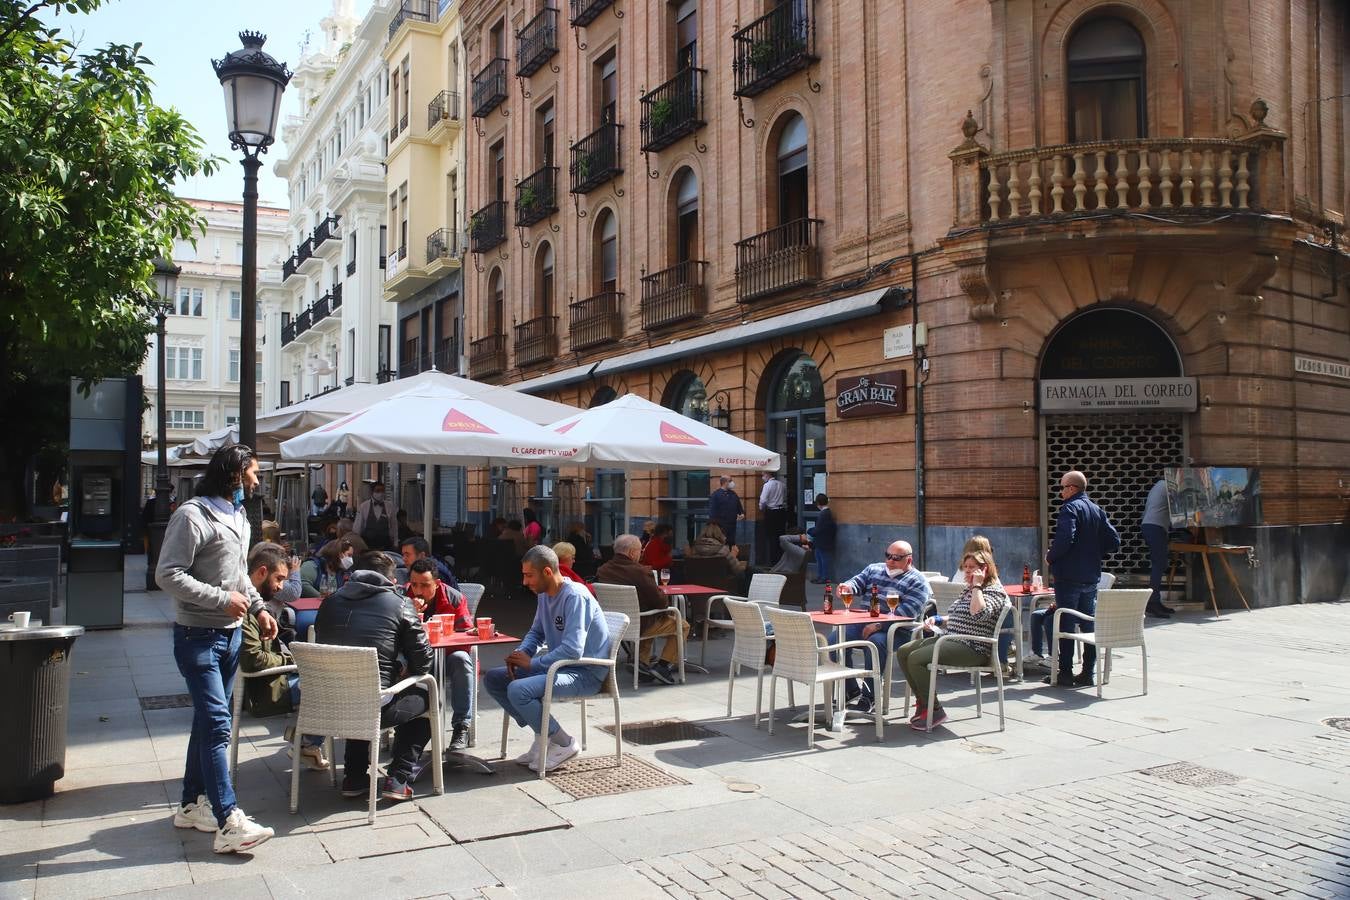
204,557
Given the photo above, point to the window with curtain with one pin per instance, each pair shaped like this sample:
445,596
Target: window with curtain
792,171
686,217
1106,82
608,255
496,303
543,284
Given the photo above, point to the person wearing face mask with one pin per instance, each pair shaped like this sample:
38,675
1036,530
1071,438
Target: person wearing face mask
773,513
896,573
375,521
725,508
322,574
203,567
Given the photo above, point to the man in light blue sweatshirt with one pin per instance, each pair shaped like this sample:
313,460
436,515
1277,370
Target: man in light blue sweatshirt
573,626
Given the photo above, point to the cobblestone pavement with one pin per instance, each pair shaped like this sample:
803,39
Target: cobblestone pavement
1226,779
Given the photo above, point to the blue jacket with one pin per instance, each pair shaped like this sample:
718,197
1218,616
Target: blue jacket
825,531
1083,536
724,507
571,623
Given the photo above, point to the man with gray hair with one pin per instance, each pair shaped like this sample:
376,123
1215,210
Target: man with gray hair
1083,538
625,568
573,626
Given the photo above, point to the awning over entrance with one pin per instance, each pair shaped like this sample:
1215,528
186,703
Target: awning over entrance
555,379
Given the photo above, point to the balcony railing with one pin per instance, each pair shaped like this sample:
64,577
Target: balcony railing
303,320
412,11
773,47
584,12
537,42
489,87
304,251
536,340
288,267
674,294
327,230
596,320
778,259
595,159
384,376
287,333
673,110
321,308
403,122
393,133
446,358
537,196
487,227
409,367
443,107
443,243
487,356
351,267
336,294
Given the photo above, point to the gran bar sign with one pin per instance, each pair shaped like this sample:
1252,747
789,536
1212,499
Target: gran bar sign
1089,395
882,393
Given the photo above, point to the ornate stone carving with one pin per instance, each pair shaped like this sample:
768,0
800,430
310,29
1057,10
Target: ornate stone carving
1248,288
975,282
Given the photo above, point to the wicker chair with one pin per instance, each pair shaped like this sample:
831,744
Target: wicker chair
343,699
765,588
994,667
473,595
1119,622
803,656
617,624
751,645
238,707
623,598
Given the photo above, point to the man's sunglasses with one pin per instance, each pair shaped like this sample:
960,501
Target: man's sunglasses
895,558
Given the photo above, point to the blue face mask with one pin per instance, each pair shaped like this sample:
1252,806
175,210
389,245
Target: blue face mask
238,496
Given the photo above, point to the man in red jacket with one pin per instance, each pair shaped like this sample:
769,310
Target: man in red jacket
432,597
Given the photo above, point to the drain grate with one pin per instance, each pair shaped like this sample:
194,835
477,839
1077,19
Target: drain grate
663,731
166,701
1340,723
597,776
1191,775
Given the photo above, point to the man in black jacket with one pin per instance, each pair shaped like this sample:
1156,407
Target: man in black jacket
366,612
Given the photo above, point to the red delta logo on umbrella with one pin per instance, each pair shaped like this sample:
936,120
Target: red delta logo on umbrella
566,428
671,434
344,421
457,421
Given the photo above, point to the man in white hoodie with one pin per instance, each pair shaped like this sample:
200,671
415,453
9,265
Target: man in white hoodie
203,565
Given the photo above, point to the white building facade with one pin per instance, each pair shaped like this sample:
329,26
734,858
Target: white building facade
201,334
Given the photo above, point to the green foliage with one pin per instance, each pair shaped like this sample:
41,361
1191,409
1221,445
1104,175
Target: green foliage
88,163
661,111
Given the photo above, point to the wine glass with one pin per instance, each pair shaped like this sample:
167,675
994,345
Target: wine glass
665,577
847,596
892,600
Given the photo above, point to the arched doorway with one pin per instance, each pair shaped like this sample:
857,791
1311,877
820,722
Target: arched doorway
1122,453
796,420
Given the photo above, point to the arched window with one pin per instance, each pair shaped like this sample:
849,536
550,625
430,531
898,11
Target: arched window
1106,82
607,252
688,397
792,171
686,217
543,282
602,396
495,303
687,501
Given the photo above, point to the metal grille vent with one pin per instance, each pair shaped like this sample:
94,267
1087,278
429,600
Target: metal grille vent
1341,723
1191,775
597,776
1122,456
663,731
166,701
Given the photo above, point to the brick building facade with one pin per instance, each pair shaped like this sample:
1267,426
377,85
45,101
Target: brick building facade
736,206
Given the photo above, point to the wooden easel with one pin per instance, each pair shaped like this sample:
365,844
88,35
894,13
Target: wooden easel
1206,550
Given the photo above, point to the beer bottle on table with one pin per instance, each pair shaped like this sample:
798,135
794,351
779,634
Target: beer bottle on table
874,609
1026,579
829,598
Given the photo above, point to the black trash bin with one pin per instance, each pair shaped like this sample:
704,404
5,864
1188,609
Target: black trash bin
34,707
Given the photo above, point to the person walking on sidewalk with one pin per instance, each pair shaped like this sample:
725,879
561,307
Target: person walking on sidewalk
203,567
1083,538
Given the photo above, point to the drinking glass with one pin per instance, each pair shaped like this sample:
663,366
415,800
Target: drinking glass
665,577
847,597
892,600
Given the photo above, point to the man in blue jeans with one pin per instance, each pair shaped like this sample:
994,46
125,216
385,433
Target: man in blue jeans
1083,538
572,624
203,567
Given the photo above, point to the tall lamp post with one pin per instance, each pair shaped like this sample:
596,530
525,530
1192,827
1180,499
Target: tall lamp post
166,283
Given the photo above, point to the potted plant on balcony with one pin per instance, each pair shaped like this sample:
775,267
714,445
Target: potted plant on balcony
660,114
526,199
761,53
583,168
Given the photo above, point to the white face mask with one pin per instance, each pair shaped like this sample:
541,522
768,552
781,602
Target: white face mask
731,485
346,563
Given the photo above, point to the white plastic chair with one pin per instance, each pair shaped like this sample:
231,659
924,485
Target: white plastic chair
1106,582
945,593
801,657
993,667
617,623
933,576
237,704
749,649
623,598
1119,623
765,588
473,595
343,699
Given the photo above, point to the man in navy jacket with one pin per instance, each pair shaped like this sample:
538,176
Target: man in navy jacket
823,536
1083,537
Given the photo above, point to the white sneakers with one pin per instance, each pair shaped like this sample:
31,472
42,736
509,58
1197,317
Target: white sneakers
196,815
531,756
557,755
240,834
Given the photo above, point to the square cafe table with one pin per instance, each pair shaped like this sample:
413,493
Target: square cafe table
470,641
841,619
678,593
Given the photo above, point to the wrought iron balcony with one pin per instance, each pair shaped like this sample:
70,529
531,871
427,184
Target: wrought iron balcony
596,320
409,367
287,333
303,321
536,340
351,267
537,42
537,196
584,12
320,310
403,122
595,159
393,133
412,11
674,294
327,230
288,267
487,227
336,294
773,47
443,243
778,259
444,107
673,110
446,358
487,356
384,376
304,251
489,87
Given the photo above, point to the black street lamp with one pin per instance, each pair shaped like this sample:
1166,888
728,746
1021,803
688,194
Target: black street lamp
166,284
253,83
720,418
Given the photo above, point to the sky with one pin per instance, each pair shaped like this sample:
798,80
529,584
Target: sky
181,39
